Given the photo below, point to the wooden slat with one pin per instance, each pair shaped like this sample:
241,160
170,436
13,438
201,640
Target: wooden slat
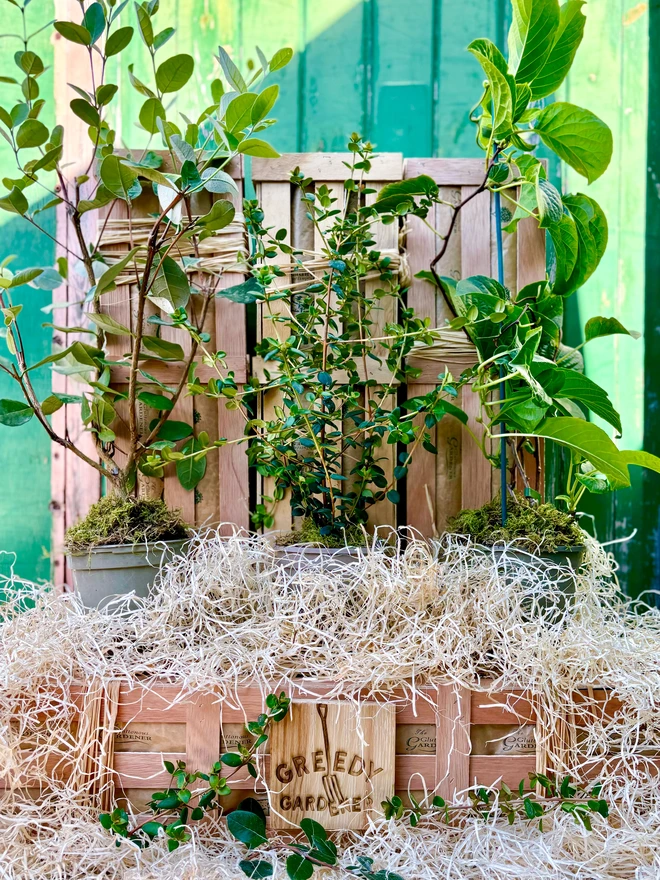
324,166
494,769
203,732
531,252
511,708
452,742
448,172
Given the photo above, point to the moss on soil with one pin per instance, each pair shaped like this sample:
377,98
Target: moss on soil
116,520
309,533
530,526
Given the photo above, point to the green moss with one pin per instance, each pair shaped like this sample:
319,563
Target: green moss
116,520
309,534
531,526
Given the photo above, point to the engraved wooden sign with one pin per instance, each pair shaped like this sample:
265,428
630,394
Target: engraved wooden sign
331,762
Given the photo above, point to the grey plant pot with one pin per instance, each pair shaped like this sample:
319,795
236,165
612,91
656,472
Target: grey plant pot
568,558
119,569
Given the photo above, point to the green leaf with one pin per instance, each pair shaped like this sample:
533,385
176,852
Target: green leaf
32,133
101,198
640,458
264,103
108,324
247,828
107,281
172,430
162,38
75,33
94,20
138,85
592,234
257,147
534,25
118,41
231,72
567,39
298,867
14,202
144,23
30,63
577,136
171,289
174,73
217,181
599,326
395,196
256,870
550,205
151,110
577,386
280,59
591,442
84,110
245,293
221,214
25,276
191,470
502,91
189,175
14,413
239,112
170,351
564,237
120,179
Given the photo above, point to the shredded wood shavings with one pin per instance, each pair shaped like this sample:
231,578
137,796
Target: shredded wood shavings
235,610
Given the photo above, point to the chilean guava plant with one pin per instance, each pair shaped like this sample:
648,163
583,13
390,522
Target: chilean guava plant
170,290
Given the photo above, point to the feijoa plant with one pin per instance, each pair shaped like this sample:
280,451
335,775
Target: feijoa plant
171,291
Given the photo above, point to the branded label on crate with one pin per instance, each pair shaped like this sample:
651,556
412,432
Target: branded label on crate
415,739
503,739
331,762
151,737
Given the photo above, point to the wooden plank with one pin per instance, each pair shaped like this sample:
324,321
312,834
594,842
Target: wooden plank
203,732
452,742
501,708
448,172
494,769
530,252
324,166
171,372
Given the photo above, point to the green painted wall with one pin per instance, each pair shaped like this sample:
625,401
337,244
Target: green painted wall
25,452
399,74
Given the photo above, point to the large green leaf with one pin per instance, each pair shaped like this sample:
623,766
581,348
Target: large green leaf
231,72
239,112
567,39
217,181
221,214
120,179
641,458
94,20
532,33
144,23
256,870
599,326
502,86
107,281
264,103
191,470
298,867
14,202
73,32
564,237
591,228
560,382
14,413
577,136
394,196
118,41
591,442
247,827
172,430
550,206
171,289
174,73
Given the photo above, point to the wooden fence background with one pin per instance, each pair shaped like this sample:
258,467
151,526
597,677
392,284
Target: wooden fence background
437,486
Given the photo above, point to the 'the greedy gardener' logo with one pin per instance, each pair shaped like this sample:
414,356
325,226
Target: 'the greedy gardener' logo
322,768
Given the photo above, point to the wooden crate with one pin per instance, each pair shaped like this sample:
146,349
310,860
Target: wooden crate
437,486
444,741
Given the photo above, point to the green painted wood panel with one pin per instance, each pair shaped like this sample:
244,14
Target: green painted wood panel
25,452
399,74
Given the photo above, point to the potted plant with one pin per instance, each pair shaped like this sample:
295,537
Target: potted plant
532,386
337,333
173,285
